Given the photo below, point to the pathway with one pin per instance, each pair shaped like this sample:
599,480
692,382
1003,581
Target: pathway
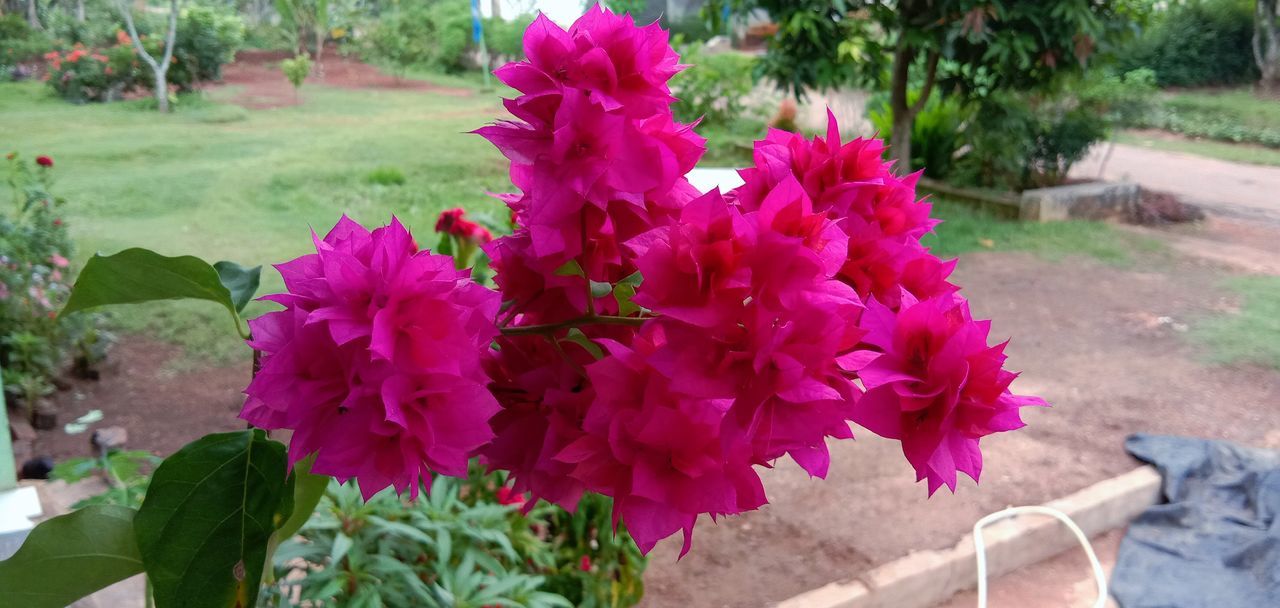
1232,190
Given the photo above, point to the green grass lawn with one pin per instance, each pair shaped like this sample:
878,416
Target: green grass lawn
1249,109
1236,153
1251,334
221,182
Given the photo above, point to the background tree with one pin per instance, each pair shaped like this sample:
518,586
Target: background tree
912,47
1266,46
159,69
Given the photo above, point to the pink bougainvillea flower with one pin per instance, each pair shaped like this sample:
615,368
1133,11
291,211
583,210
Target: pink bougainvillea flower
543,399
44,161
58,261
697,270
653,436
936,385
619,65
375,362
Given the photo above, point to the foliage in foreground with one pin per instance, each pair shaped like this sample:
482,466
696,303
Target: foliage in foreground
35,281
466,544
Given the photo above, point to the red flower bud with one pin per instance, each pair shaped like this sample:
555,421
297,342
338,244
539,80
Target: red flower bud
44,161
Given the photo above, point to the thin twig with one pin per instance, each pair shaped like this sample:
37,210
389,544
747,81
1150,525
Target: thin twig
548,328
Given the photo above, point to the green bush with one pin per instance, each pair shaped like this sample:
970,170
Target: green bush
1197,43
20,44
296,70
82,75
207,39
713,87
35,280
935,135
463,544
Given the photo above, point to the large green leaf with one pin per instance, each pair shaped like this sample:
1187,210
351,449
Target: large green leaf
241,282
209,513
307,491
141,275
71,556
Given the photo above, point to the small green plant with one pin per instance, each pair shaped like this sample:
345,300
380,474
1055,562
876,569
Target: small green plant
127,472
713,88
296,70
385,176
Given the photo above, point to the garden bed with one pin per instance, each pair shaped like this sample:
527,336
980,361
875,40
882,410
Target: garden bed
1102,343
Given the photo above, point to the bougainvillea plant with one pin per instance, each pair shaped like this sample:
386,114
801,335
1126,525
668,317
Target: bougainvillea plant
646,341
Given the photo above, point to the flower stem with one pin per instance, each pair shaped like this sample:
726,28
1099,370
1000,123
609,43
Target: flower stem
546,328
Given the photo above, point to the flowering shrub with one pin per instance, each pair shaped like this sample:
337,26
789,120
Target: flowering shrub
83,75
34,283
646,342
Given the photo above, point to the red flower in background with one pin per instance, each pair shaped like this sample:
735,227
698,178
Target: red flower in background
453,223
585,564
44,161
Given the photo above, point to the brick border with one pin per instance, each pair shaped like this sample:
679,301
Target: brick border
927,578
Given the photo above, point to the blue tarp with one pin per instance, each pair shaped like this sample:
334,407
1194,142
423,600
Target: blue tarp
1215,542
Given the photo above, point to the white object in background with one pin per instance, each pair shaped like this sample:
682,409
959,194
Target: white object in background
980,549
17,508
705,179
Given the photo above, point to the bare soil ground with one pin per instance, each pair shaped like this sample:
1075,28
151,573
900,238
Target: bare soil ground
1102,344
260,84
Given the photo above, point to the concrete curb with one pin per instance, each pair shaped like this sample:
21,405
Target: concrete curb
927,578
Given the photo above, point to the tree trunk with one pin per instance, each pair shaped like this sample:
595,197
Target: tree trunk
319,69
160,68
900,137
162,91
496,6
80,11
1266,46
33,15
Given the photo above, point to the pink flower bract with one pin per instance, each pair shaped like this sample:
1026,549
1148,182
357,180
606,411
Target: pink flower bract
937,386
375,362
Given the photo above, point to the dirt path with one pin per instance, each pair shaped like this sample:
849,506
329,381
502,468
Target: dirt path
1092,339
1232,190
259,84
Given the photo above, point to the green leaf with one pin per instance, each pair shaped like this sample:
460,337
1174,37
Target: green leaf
208,516
576,336
623,293
141,275
600,290
71,556
570,269
445,245
308,489
634,279
241,282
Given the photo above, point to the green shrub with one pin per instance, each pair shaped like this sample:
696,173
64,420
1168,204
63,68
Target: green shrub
1197,43
505,39
385,176
714,87
20,44
207,38
35,280
83,75
463,544
296,70
935,135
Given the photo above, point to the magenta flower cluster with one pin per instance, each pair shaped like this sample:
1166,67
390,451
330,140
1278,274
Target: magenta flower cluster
646,341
